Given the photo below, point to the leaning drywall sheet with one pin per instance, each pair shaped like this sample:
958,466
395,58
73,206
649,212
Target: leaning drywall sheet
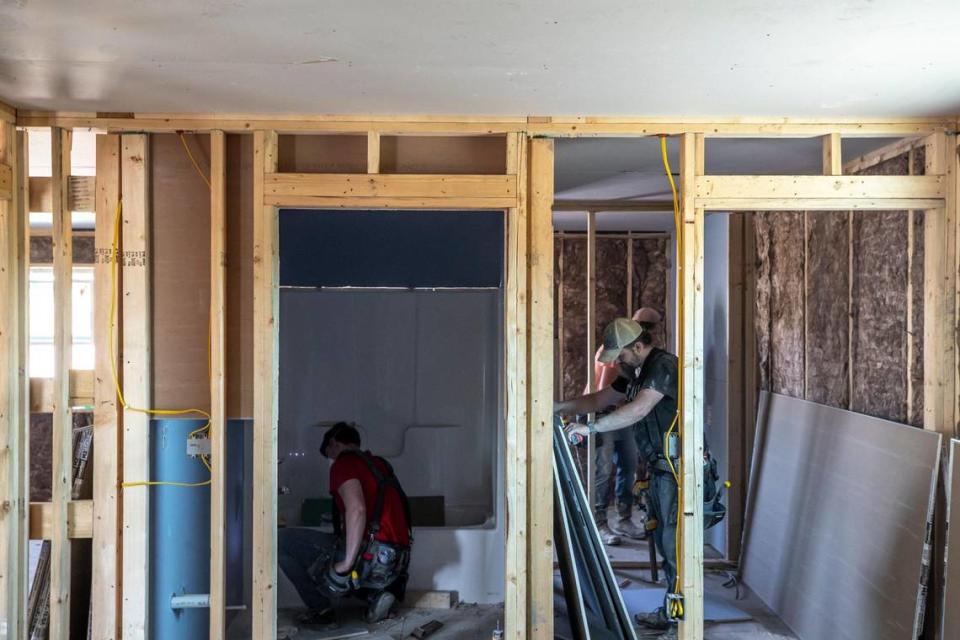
838,520
951,589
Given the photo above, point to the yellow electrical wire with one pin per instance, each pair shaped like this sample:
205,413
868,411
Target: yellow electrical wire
113,366
676,606
196,166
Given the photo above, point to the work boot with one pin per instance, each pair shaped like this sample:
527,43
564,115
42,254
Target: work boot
379,608
626,527
325,619
607,536
653,620
669,634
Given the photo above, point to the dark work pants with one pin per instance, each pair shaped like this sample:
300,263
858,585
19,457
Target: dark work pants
663,507
297,551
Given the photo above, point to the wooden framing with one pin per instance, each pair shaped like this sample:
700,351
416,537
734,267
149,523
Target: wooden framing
525,191
939,286
690,273
373,152
14,451
107,417
218,395
80,520
80,193
539,484
6,179
590,346
266,346
389,191
62,485
135,279
566,126
81,391
516,302
610,206
737,335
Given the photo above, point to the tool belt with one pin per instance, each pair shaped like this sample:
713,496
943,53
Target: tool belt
381,564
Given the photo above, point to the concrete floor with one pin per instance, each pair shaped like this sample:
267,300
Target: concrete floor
764,626
477,622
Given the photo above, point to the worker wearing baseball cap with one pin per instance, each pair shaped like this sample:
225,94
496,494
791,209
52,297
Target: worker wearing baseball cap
616,454
647,389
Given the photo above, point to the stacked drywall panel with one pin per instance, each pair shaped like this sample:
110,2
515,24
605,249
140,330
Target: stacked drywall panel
951,587
838,520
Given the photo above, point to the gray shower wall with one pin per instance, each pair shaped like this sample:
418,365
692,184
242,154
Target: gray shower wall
419,371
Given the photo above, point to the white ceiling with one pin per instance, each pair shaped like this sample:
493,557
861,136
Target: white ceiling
817,58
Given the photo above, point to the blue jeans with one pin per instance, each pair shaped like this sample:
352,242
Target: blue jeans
297,551
663,506
616,449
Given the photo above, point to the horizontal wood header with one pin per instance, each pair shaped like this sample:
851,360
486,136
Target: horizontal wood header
400,191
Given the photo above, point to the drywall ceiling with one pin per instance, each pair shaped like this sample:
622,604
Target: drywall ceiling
819,58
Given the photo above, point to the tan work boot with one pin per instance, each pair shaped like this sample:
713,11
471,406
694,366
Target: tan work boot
607,536
626,527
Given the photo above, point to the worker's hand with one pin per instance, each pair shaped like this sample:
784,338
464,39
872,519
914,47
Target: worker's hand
336,584
343,567
577,432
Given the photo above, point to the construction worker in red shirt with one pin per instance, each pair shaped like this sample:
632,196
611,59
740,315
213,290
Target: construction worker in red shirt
368,554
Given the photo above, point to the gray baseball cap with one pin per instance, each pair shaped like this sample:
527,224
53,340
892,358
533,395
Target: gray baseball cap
618,334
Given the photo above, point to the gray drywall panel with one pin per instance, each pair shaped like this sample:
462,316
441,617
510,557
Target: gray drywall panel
951,590
838,520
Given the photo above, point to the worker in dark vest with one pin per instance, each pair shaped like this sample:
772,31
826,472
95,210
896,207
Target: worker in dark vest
616,454
647,387
368,554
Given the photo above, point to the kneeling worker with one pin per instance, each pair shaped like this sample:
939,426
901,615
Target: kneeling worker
648,387
369,552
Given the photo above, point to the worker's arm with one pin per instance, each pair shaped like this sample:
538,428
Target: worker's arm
590,403
355,521
608,373
628,414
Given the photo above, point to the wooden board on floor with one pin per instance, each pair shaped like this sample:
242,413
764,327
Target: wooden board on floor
838,520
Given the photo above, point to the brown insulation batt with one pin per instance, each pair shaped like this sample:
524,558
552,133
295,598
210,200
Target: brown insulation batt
611,292
880,306
651,264
915,416
828,313
786,303
761,223
574,338
41,249
41,453
916,286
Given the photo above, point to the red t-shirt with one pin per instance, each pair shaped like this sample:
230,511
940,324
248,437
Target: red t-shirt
393,521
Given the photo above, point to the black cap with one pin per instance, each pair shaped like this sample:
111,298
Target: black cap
343,432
